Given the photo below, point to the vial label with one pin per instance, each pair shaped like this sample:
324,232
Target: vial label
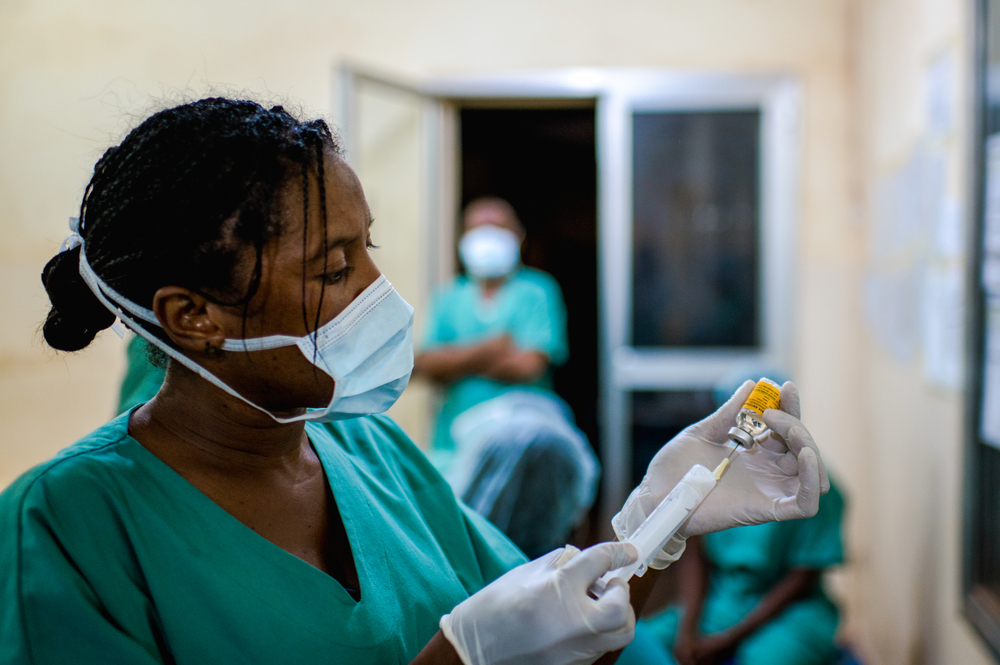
766,395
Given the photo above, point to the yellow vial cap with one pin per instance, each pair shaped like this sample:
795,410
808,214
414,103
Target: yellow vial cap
750,419
765,395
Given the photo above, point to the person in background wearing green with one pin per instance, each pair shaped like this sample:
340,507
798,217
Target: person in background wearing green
504,440
257,509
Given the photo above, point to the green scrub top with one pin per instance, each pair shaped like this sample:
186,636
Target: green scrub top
747,562
528,306
109,556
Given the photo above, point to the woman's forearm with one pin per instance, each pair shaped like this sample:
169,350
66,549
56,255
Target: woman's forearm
438,651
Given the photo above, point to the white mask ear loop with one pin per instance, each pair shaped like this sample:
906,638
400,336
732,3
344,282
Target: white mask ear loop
74,240
99,288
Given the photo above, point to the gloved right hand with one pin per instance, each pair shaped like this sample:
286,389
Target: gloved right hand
541,614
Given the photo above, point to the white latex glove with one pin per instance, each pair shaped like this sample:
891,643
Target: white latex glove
780,478
540,613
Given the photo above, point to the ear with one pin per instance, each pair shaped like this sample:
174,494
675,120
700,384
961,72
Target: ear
188,318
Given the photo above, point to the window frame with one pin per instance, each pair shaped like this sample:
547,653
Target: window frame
777,99
626,369
980,606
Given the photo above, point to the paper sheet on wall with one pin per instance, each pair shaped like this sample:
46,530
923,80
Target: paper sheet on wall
899,205
939,94
893,310
914,212
942,326
949,230
991,218
989,428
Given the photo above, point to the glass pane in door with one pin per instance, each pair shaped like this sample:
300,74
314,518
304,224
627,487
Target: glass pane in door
696,217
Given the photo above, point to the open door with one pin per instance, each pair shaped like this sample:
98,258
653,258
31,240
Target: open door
400,141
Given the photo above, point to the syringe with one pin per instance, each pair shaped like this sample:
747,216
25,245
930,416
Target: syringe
667,518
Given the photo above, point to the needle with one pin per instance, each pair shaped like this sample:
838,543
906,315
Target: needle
736,448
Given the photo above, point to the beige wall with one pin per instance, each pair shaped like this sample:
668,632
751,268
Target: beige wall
907,501
74,75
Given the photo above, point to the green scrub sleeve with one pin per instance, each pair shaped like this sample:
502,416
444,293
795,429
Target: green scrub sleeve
58,616
541,323
817,541
494,551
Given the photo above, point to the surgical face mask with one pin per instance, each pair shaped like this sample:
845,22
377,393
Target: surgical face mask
367,349
489,251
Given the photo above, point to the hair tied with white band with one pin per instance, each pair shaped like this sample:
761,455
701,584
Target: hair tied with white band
74,239
71,242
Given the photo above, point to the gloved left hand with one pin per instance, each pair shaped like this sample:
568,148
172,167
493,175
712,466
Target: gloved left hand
780,478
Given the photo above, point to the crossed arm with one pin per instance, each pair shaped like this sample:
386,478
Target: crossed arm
496,358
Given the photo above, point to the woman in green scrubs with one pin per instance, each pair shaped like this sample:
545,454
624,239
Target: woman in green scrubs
255,510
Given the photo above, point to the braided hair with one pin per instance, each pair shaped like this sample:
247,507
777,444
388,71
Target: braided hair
180,202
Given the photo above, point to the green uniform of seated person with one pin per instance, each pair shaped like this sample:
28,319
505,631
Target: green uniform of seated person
257,509
752,593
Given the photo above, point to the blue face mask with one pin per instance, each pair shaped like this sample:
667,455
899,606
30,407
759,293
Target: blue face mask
367,349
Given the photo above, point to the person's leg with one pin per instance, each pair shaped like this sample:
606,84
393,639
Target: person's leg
495,481
801,635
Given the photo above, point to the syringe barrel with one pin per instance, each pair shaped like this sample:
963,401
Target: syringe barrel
667,518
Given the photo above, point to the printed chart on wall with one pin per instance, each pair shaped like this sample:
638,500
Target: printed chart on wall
990,424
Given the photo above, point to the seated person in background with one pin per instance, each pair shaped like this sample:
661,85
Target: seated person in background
752,595
504,440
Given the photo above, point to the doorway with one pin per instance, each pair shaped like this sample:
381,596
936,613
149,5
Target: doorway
665,146
543,161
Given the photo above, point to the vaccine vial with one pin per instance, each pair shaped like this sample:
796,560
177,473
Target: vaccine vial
750,420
